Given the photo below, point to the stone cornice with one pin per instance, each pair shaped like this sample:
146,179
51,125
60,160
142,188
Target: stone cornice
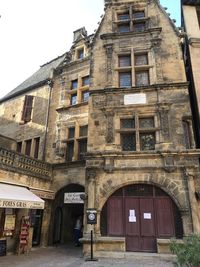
166,86
195,42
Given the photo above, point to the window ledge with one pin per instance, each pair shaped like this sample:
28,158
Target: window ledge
72,106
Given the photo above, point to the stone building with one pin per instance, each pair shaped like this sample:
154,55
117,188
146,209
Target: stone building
191,9
117,134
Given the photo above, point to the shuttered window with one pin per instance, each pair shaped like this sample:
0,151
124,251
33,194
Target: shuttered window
27,109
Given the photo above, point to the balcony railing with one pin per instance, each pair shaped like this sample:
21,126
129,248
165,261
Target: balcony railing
13,161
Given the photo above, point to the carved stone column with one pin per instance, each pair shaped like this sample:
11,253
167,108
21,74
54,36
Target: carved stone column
156,45
109,128
193,203
91,175
109,52
164,120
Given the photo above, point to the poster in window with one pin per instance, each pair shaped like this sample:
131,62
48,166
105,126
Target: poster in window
9,224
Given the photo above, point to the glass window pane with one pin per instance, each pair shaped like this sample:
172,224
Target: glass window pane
124,27
80,54
142,78
85,96
138,15
74,84
147,141
128,123
85,80
124,61
70,151
128,142
71,132
123,16
73,99
83,130
125,79
141,59
146,122
139,27
82,149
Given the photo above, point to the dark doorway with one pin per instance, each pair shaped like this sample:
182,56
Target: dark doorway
65,216
141,213
36,223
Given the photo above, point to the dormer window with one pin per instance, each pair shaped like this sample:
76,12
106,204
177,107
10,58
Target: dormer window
80,53
139,27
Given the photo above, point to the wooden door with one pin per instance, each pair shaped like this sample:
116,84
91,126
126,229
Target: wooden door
147,219
164,217
115,216
132,224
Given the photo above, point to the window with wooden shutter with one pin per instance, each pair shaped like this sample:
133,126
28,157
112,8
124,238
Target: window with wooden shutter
27,109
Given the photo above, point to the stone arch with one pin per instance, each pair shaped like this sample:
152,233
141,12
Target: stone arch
168,186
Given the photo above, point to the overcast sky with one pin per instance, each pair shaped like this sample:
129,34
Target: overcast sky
33,32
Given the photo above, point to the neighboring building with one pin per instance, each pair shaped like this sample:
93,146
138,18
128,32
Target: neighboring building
117,132
191,24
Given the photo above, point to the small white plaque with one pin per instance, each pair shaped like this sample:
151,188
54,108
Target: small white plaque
132,99
132,219
147,216
132,212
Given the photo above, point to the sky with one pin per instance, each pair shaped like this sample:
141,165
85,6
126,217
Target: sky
33,32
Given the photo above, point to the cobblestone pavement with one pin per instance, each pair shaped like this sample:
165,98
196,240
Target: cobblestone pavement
72,257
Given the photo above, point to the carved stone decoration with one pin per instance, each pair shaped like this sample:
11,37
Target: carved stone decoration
156,42
165,129
109,52
90,174
99,101
109,127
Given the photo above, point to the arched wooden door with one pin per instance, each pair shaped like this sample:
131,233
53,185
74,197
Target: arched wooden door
141,213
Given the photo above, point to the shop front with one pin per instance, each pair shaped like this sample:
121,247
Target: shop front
16,204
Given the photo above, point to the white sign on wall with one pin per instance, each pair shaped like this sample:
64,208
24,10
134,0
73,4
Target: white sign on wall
134,99
72,198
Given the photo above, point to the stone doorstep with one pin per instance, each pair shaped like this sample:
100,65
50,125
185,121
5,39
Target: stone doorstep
134,255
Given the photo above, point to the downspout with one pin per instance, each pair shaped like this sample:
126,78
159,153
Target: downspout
50,85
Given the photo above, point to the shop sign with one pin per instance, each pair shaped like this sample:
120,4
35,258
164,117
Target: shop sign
91,216
73,198
43,194
18,204
9,224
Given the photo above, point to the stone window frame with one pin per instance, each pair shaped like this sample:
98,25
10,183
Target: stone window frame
138,130
188,137
76,140
34,147
129,19
79,91
133,68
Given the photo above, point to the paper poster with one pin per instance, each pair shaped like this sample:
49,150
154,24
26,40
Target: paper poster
132,219
132,212
147,216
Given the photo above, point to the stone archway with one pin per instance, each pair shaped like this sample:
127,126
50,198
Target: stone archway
62,227
141,213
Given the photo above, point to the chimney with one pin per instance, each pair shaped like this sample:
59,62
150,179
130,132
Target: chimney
79,33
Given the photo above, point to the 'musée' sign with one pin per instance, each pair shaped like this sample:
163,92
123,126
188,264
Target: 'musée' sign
72,198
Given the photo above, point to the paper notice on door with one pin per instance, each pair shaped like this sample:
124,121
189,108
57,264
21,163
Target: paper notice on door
147,216
132,213
132,219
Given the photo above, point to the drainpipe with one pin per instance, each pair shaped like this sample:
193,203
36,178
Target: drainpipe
50,85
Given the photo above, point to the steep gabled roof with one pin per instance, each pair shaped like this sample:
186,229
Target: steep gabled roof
40,77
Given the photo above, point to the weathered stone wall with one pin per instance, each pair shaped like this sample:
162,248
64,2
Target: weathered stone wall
7,142
12,125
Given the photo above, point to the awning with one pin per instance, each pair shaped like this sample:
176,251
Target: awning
18,197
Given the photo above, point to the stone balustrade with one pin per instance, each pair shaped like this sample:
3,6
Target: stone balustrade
17,162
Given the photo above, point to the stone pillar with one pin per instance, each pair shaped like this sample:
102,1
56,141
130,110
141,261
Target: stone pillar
46,223
91,174
194,204
109,52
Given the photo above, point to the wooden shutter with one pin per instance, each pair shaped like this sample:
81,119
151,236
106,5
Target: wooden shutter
27,110
36,151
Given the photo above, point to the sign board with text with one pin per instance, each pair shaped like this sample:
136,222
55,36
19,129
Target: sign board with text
73,198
